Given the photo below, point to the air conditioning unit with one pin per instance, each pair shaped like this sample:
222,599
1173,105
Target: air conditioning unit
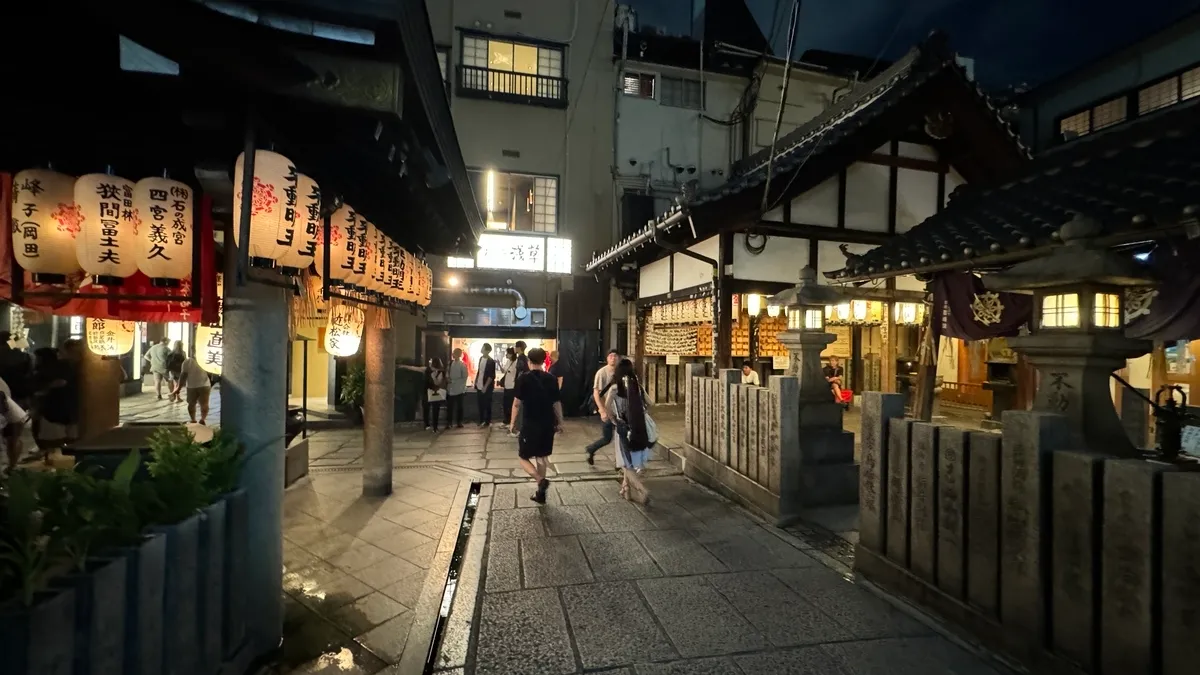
491,316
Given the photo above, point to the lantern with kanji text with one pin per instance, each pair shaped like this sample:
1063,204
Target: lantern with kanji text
162,229
210,348
45,223
272,206
341,246
302,247
343,335
109,337
107,246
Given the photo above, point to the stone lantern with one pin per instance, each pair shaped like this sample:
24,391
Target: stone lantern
805,337
1076,338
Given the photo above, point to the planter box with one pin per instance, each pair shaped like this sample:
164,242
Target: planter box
145,576
211,579
99,617
181,598
34,640
237,546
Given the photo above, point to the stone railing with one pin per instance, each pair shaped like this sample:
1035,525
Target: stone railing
766,447
664,382
1072,562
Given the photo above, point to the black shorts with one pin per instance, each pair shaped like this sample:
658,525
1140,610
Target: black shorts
535,443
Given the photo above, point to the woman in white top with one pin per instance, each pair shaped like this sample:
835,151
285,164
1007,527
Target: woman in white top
508,377
195,379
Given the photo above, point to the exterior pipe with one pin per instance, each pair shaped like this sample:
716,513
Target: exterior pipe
487,290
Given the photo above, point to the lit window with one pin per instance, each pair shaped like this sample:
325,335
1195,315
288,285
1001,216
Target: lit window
794,320
514,201
1109,113
1189,86
558,256
813,319
1159,95
640,85
681,93
504,67
1060,311
460,263
1107,312
1078,124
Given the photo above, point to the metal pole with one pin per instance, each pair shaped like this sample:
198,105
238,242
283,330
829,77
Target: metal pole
304,393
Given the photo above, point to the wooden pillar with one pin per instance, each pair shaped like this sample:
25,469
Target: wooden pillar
1158,377
922,407
887,369
723,316
640,318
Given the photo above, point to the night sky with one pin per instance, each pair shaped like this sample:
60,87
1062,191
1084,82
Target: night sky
1012,41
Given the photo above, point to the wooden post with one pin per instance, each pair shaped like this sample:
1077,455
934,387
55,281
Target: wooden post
887,369
639,346
723,317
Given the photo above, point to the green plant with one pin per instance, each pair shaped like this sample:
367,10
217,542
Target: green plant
354,384
223,462
179,469
26,547
84,513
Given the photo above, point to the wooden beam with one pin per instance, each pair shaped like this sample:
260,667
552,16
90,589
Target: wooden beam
893,189
822,233
841,199
813,248
897,161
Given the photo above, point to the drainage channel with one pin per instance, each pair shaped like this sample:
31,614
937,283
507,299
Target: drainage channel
452,575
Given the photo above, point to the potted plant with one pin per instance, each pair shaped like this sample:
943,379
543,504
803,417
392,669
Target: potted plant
354,387
32,616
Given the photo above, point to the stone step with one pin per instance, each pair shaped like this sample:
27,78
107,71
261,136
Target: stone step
830,485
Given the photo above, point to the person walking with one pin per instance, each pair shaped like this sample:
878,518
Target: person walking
485,383
627,409
195,381
435,392
600,385
508,371
174,367
455,390
537,400
156,359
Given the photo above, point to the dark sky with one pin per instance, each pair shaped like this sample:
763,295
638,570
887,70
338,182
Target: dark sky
1012,41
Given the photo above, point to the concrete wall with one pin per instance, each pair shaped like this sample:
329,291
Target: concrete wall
1071,562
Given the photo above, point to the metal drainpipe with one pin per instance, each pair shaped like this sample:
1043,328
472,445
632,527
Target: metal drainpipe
488,290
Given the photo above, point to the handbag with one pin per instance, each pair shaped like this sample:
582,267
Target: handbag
437,395
651,430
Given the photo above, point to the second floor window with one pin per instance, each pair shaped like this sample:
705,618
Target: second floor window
516,201
640,85
518,70
681,92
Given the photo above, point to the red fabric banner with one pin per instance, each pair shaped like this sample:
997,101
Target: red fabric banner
174,305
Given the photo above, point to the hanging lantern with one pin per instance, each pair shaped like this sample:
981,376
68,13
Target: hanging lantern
773,311
754,304
162,226
302,249
426,285
343,335
272,206
362,255
354,225
380,254
109,337
45,223
390,269
341,246
373,280
210,348
107,246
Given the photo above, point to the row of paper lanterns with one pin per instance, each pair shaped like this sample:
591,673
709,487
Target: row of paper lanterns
113,337
285,215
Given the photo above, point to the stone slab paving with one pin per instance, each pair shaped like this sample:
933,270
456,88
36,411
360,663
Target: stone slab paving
687,586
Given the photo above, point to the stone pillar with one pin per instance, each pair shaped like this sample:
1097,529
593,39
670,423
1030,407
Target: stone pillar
690,402
952,463
254,407
722,445
1077,507
983,522
805,363
379,405
1180,572
1076,370
99,393
878,410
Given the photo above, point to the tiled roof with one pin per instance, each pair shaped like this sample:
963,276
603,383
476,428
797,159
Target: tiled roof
836,124
1134,180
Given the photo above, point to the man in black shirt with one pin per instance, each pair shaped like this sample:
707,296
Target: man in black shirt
537,397
834,374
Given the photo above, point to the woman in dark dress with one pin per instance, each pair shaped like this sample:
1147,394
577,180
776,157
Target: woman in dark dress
435,392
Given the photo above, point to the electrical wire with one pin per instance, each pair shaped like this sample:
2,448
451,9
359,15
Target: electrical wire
787,80
574,106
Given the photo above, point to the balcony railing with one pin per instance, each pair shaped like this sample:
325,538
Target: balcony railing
965,395
503,85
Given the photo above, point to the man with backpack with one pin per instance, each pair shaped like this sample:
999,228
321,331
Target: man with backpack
600,385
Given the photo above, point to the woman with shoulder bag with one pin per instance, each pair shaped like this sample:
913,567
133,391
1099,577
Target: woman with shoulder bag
627,407
435,392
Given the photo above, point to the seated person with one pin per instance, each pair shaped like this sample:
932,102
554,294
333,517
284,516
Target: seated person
749,376
834,374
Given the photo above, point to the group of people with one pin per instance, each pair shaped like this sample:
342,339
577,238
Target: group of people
447,384
181,374
833,375
622,405
42,390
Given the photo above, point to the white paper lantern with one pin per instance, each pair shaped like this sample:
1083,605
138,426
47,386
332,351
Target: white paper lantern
302,250
162,226
380,254
109,337
341,246
343,335
362,254
427,289
45,223
354,227
271,219
107,246
392,270
210,348
371,280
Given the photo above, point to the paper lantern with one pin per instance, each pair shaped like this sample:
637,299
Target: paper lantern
109,337
428,294
341,246
45,223
272,220
107,246
362,254
162,227
373,280
393,270
354,227
302,246
210,348
380,253
343,335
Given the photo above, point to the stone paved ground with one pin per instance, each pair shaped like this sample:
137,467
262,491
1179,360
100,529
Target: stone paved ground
145,407
689,585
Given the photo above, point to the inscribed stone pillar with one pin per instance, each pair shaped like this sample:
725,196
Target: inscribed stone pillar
254,407
1029,438
952,464
1135,416
878,410
1180,572
766,404
1077,506
379,405
750,443
744,419
727,379
784,457
923,501
737,416
99,393
983,522
1130,562
899,474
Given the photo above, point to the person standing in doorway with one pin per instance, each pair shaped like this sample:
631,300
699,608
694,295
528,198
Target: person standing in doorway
174,367
749,375
537,399
509,372
156,360
194,380
485,383
456,389
600,385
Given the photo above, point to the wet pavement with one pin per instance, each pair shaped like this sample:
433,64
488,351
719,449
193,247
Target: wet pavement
689,585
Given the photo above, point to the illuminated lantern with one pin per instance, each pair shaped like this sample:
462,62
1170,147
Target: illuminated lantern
45,223
362,255
341,248
428,296
107,246
372,280
210,348
272,206
109,337
398,254
354,227
302,250
389,269
162,227
380,254
343,335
